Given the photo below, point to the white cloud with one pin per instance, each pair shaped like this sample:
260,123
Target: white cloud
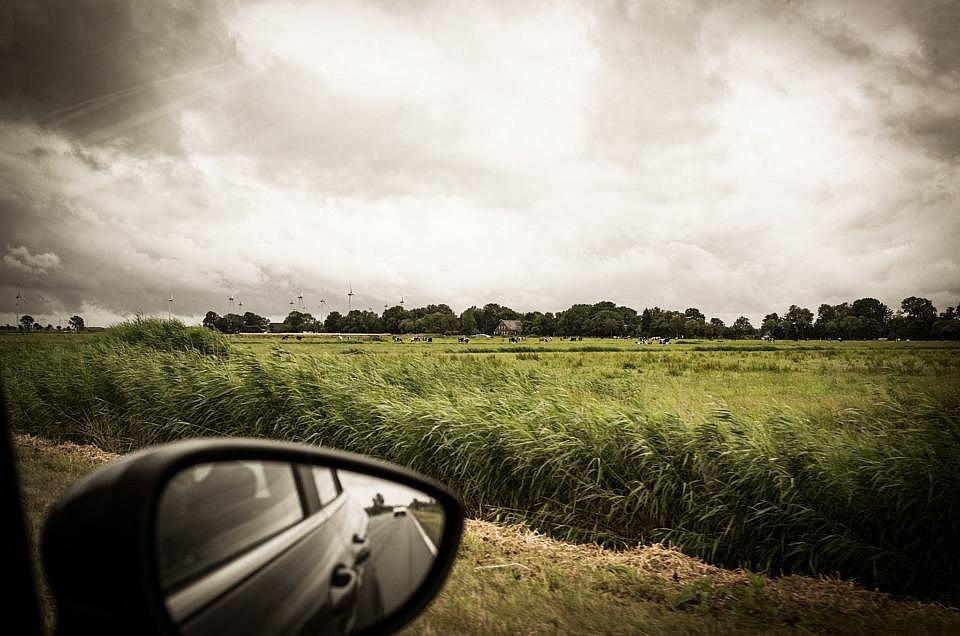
20,259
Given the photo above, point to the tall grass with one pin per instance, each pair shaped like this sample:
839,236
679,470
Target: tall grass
169,335
869,495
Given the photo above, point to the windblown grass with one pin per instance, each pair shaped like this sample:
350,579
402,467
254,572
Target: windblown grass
870,494
169,335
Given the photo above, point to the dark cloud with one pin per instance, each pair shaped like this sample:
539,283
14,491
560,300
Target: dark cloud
937,26
105,68
936,131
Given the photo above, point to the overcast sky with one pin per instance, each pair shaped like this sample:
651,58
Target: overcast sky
734,156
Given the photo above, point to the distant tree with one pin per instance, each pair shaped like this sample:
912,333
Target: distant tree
647,320
76,323
742,328
37,326
229,323
468,321
49,327
358,321
868,319
251,319
946,329
298,321
716,328
920,309
333,323
26,322
572,321
692,313
210,320
798,322
549,324
604,323
871,308
920,314
392,317
772,326
438,322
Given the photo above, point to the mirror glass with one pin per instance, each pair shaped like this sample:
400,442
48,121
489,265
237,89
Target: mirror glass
265,547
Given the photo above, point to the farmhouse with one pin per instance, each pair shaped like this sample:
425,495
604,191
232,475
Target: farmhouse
251,329
508,328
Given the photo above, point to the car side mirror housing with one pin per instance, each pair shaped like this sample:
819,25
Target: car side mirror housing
225,536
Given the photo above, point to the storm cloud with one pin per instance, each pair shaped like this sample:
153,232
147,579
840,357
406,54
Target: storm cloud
737,157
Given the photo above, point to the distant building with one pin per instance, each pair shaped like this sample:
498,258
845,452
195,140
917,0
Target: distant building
251,329
277,327
508,328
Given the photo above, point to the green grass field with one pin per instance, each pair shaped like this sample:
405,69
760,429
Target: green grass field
814,457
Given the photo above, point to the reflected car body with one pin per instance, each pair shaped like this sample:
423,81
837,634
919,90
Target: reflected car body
399,512
262,590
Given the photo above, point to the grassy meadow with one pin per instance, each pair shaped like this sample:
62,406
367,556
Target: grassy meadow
823,458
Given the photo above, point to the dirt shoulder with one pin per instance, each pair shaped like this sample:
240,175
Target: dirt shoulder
509,579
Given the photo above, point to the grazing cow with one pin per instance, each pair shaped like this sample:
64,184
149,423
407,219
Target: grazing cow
463,339
429,338
299,337
398,339
285,338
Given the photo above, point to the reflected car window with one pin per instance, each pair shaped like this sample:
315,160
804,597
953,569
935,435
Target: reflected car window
213,512
326,485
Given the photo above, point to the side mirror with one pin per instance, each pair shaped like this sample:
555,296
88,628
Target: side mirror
228,536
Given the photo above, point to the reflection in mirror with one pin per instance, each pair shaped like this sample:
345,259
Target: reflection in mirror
270,548
403,529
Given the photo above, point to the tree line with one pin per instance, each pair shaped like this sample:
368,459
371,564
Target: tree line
864,318
28,323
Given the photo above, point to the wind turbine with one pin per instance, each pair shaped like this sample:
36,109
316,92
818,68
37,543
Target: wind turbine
350,298
170,307
19,300
230,300
323,302
303,306
401,302
240,306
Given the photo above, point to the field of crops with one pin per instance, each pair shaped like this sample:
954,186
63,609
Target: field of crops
817,457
